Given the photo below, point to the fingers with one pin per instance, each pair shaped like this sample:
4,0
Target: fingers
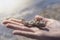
24,33
19,32
16,20
18,27
28,34
8,21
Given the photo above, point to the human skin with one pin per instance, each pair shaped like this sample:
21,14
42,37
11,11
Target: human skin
33,32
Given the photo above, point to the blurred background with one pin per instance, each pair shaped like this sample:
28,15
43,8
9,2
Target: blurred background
26,9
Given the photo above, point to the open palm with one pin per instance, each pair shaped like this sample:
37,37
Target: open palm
33,32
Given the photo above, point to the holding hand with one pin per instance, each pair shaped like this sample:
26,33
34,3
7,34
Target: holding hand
34,32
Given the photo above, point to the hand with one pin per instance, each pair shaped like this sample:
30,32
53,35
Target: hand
33,32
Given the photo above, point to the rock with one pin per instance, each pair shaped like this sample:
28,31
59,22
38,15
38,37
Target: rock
34,23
